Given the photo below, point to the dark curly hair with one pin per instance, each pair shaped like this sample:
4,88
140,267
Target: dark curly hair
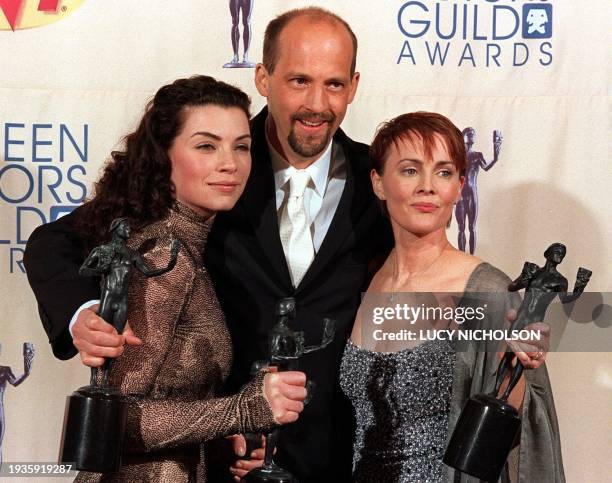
136,180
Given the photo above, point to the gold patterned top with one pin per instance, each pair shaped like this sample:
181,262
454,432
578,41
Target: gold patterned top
173,377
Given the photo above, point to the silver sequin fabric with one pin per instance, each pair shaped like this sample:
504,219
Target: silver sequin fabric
401,401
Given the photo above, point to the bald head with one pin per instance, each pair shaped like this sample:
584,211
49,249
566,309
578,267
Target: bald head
294,19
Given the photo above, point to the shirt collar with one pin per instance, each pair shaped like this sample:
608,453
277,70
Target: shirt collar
318,170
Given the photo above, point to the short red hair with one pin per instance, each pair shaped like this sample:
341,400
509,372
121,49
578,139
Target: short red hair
418,126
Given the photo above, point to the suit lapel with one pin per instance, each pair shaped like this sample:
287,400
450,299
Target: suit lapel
259,201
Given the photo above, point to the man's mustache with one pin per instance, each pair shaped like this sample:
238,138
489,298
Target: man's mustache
314,117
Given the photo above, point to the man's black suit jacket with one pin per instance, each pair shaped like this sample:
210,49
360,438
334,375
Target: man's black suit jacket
245,258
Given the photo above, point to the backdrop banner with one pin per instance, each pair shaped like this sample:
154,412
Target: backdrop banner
75,76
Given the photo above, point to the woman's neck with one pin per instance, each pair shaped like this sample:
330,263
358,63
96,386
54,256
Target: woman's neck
415,255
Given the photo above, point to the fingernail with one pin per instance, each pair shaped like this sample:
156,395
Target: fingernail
236,478
241,451
253,454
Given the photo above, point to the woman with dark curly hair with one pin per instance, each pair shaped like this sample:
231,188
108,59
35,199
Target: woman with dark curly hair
188,158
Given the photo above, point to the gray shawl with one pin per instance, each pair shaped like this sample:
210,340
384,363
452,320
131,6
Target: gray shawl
537,457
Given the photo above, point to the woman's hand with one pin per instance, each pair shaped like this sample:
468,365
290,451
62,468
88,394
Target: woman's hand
247,463
285,393
532,354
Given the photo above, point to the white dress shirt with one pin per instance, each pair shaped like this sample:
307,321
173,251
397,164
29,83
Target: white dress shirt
323,192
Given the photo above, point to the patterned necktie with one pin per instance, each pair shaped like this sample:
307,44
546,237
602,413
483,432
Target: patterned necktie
295,228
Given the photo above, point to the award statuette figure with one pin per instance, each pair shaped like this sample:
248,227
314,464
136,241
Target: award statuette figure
286,348
466,208
239,8
7,377
488,425
94,420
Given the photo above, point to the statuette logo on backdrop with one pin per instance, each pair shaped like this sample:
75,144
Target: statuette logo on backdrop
466,210
238,9
476,33
7,376
27,14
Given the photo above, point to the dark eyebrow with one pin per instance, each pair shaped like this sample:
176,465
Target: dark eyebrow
206,133
418,161
218,138
291,75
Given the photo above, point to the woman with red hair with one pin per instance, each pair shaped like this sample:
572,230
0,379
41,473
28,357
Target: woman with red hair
407,392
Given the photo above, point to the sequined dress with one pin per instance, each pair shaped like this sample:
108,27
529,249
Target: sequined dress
401,402
172,378
406,403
